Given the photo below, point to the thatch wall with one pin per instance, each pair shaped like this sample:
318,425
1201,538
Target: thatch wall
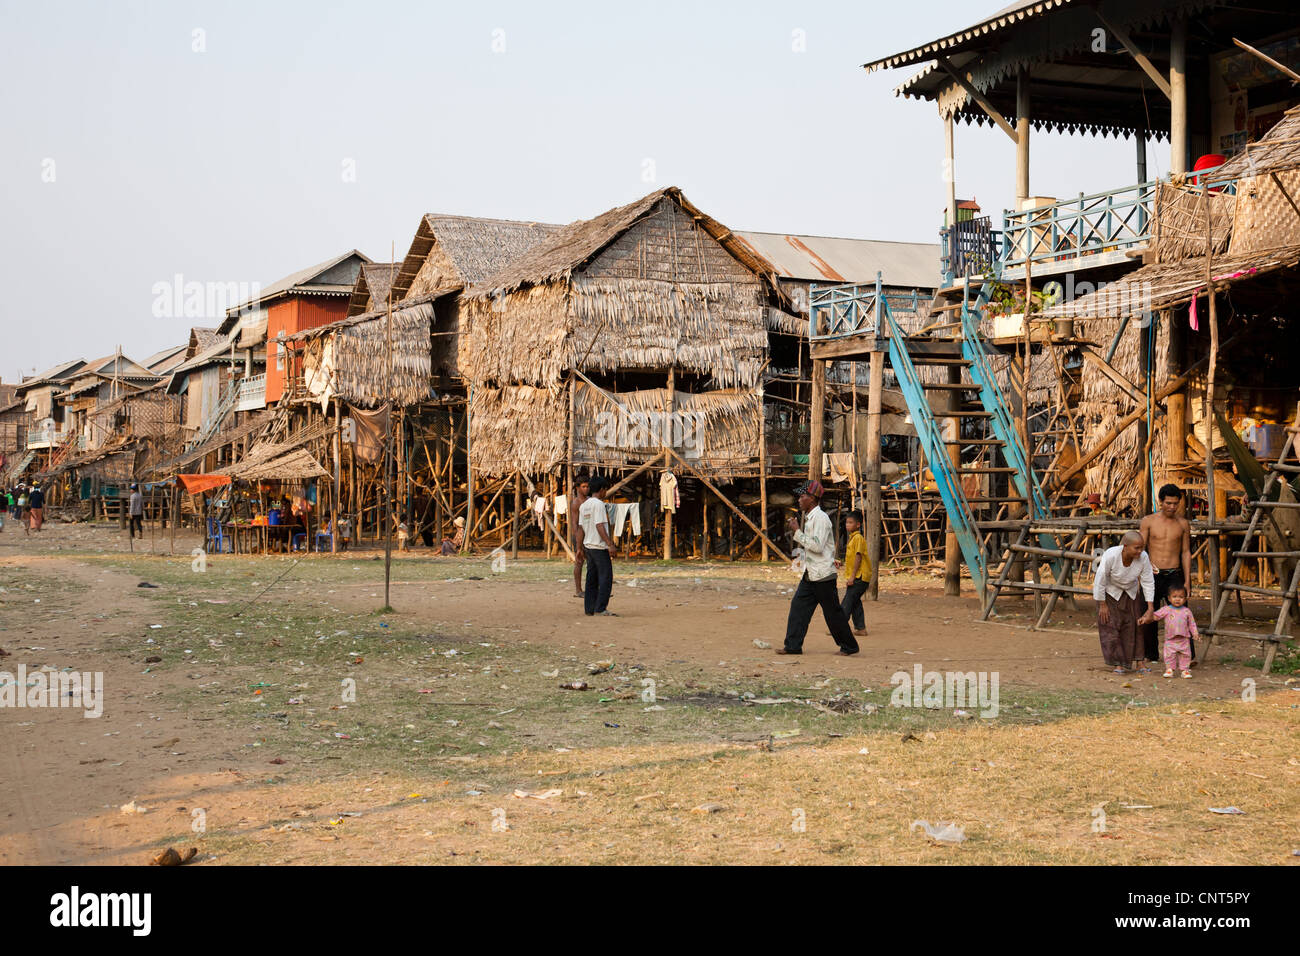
526,428
518,427
716,329
1179,228
351,362
717,431
1118,474
1264,217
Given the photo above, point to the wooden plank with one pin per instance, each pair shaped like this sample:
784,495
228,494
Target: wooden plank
980,99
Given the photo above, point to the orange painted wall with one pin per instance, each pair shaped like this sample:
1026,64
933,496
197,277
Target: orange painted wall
292,315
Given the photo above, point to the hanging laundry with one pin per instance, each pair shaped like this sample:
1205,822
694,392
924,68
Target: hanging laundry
620,512
669,498
838,466
539,511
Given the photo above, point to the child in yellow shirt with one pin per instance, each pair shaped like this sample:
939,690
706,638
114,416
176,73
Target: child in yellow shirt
857,572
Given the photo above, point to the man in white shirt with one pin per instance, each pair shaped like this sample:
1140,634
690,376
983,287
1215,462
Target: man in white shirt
818,586
599,548
1121,571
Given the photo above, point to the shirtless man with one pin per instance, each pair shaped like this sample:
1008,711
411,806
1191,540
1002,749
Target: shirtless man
1167,538
581,492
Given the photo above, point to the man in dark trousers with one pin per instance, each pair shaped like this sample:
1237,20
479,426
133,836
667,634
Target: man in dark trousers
818,584
599,548
136,509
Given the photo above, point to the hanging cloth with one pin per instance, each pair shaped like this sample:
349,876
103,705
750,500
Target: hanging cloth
669,498
621,513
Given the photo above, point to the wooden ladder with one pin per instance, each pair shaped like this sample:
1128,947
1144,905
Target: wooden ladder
1262,510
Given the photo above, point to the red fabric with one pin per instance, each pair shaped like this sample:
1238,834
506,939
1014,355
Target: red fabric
197,483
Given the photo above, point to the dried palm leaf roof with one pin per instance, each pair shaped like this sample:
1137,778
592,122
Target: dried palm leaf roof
201,340
1165,285
572,246
295,465
1276,150
475,246
373,282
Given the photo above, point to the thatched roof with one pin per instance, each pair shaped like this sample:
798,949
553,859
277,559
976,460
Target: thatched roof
644,287
1276,150
371,290
350,358
201,340
1166,285
294,465
569,248
474,247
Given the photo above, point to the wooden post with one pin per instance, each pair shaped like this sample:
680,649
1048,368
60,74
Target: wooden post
469,475
668,515
950,172
704,509
1022,143
872,511
1215,554
1178,98
817,420
570,488
951,547
853,435
1144,379
762,466
338,476
514,522
1176,404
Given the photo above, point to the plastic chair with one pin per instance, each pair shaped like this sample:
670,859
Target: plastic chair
299,537
324,541
217,536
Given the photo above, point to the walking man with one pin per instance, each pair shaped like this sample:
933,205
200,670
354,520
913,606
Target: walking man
1167,538
581,492
600,549
36,507
818,584
1122,570
136,508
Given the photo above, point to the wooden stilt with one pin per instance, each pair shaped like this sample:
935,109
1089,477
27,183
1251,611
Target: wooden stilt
872,517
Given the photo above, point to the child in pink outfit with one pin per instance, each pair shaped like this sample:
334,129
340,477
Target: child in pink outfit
1180,630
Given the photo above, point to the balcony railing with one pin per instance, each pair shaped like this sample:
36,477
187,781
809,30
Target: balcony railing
1112,221
251,393
970,248
842,311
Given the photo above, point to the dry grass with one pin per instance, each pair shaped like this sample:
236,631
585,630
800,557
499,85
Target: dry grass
1025,795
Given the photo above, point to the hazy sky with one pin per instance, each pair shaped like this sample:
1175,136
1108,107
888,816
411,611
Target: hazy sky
241,141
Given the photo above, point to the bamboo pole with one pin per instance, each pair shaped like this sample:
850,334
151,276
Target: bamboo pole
762,466
873,518
817,420
514,521
1212,494
668,515
388,454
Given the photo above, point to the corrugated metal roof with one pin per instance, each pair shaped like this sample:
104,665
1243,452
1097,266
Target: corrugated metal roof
827,259
298,281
